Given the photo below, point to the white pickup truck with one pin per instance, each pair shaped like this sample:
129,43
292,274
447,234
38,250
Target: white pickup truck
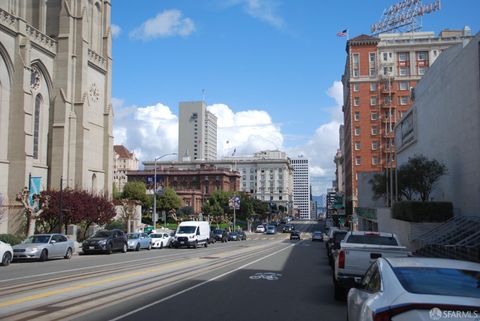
357,252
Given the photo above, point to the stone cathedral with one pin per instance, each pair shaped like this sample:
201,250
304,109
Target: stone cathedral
55,99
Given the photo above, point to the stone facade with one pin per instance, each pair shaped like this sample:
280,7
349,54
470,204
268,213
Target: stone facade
55,97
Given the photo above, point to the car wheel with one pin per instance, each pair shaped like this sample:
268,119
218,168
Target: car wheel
109,249
195,245
68,255
124,248
149,246
161,245
6,259
43,256
206,244
137,248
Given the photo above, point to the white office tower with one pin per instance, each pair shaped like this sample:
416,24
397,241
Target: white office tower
197,132
301,186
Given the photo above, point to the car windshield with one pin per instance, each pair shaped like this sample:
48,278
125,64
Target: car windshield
440,281
372,239
155,236
317,233
218,231
339,236
102,234
37,239
133,236
186,229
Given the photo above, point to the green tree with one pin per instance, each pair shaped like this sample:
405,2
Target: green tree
416,177
169,202
135,190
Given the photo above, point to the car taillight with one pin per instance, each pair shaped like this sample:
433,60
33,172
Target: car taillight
341,259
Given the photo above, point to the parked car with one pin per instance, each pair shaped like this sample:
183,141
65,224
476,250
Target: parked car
271,229
242,235
317,236
161,239
137,241
288,228
106,241
211,239
233,236
333,244
416,288
192,234
260,229
6,253
357,251
44,246
220,235
295,235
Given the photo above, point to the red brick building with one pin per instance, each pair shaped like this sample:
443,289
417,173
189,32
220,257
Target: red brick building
380,74
193,186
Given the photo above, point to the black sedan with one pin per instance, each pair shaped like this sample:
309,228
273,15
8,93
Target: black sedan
295,235
220,235
106,241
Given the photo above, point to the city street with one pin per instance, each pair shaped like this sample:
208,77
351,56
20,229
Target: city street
267,277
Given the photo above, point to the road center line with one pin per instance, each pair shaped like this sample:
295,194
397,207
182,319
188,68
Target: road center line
199,285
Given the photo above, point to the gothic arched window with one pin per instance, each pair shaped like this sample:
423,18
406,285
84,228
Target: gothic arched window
36,125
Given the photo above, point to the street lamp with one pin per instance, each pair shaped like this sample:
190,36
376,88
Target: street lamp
154,216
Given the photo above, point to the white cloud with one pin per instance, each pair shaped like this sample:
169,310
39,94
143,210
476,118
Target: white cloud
166,24
149,131
116,30
320,149
263,10
245,132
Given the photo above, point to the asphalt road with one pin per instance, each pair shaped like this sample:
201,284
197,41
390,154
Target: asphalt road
263,278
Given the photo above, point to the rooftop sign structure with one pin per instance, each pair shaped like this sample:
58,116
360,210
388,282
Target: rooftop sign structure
404,14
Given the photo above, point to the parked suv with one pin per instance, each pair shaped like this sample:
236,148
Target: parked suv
106,241
220,235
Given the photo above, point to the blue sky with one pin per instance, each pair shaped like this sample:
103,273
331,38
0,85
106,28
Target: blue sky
269,68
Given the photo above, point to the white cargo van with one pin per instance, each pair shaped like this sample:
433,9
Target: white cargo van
192,233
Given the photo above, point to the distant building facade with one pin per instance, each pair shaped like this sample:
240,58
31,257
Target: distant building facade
301,186
194,186
123,161
380,73
197,132
55,99
444,125
267,176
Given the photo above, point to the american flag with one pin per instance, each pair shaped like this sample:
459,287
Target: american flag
342,33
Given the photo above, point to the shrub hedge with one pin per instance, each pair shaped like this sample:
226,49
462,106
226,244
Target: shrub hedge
415,211
11,239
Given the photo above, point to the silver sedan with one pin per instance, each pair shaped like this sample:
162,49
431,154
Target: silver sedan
415,288
44,246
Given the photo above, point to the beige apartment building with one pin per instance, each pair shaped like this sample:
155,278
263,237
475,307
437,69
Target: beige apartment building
55,98
123,161
380,75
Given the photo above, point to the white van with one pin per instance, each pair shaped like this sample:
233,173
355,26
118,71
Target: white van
192,233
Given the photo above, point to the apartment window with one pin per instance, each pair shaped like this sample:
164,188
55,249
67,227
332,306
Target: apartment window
372,70
357,131
356,59
387,71
355,64
373,101
355,72
403,85
356,116
387,100
375,145
374,130
385,56
422,70
422,55
373,86
374,116
403,100
357,145
374,160
403,56
358,160
403,71
356,87
356,101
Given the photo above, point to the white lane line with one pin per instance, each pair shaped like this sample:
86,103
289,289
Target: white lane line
198,285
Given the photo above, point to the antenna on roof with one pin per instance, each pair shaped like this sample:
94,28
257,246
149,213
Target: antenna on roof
404,15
